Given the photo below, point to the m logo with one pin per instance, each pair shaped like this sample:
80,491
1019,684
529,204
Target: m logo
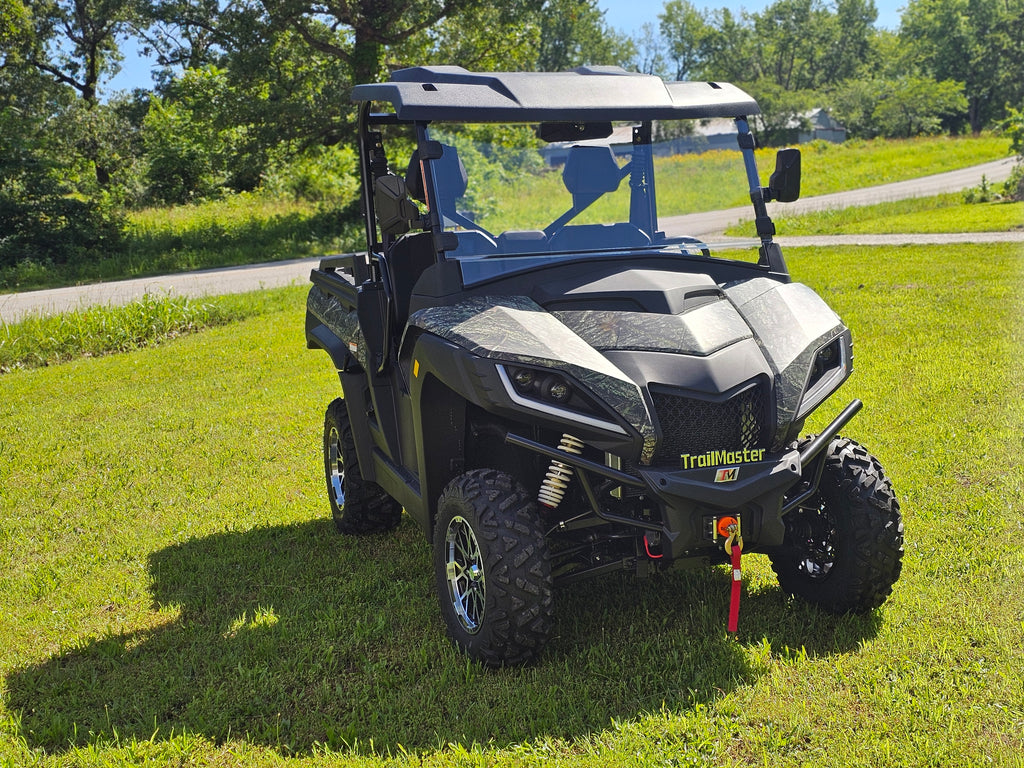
727,475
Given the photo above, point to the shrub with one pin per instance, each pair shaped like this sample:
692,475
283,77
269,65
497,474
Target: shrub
1013,127
49,228
322,175
181,163
979,194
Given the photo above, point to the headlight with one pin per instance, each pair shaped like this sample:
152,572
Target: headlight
828,358
829,368
552,393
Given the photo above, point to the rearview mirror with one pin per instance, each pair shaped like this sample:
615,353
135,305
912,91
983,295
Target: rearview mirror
784,184
551,132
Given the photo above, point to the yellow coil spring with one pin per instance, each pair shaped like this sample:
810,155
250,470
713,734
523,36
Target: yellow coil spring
552,487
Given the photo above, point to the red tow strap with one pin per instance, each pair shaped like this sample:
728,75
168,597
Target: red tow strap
729,527
737,582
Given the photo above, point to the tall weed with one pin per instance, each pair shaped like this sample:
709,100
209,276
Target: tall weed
46,340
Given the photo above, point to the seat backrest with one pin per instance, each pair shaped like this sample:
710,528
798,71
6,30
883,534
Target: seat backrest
407,259
590,171
449,173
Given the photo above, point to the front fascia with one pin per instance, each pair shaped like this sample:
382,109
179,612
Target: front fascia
514,329
790,323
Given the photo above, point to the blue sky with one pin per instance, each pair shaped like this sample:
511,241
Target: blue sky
625,15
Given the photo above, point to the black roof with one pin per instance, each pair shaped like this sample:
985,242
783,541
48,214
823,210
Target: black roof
586,93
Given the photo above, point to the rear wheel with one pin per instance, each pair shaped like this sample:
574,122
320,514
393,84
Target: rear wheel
357,506
491,568
843,548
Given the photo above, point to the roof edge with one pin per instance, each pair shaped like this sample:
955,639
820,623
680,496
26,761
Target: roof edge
586,93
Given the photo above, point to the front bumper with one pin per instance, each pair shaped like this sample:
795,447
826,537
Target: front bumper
692,500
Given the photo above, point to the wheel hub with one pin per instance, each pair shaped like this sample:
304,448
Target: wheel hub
464,574
336,467
814,533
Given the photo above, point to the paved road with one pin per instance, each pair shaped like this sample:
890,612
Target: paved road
705,225
209,282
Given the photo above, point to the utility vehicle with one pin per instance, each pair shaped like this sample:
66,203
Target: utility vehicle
553,383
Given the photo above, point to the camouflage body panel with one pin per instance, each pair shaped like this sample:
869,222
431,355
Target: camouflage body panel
342,322
515,329
701,331
790,323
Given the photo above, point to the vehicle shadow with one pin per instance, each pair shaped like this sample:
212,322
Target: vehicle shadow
291,636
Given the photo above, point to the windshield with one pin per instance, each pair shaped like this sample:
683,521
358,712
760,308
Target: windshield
503,191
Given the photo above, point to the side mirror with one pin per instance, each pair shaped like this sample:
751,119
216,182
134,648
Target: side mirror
784,184
395,211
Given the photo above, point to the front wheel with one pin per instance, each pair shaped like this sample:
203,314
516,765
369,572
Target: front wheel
491,568
843,548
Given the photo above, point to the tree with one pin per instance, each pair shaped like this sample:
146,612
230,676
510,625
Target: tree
783,112
76,44
805,45
686,33
574,33
915,105
358,31
15,29
484,38
853,104
1013,128
40,221
729,48
650,50
185,34
76,40
975,42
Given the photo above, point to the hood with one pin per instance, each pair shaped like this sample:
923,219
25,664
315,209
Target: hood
707,337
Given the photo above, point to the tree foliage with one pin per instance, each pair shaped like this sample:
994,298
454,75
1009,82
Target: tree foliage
976,42
686,34
255,93
357,32
574,33
39,221
1013,128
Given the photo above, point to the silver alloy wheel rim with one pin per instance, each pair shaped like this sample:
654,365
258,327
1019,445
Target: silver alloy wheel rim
464,574
336,467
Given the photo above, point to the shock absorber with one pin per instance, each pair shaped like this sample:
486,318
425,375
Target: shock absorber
552,487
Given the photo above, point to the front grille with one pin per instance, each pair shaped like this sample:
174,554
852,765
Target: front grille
695,426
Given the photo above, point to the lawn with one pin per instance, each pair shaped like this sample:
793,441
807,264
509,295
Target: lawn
932,215
717,180
254,228
241,229
173,590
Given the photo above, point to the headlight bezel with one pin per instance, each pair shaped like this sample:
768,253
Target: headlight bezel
830,366
554,393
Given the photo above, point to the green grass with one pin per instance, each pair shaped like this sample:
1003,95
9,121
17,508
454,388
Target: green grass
40,340
716,180
173,591
249,229
830,168
243,229
927,215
